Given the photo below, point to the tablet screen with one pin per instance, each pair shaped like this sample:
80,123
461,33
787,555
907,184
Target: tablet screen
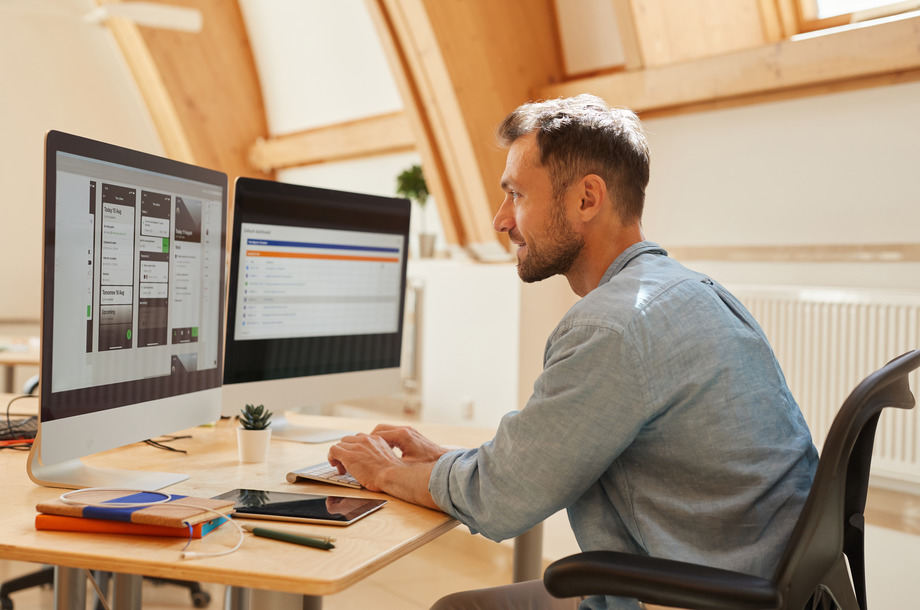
308,508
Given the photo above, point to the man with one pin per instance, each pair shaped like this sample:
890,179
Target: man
661,421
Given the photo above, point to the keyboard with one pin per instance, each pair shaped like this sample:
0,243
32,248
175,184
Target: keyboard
23,427
324,473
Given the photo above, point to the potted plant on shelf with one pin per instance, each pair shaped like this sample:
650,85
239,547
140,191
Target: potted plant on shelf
254,434
411,185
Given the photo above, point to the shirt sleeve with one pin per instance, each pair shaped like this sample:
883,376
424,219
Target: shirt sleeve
587,407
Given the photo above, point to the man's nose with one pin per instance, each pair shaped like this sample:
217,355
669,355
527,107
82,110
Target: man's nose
504,219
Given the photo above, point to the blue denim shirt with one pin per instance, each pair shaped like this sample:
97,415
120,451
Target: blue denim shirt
661,421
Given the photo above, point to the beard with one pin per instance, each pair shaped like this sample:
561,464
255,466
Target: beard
555,252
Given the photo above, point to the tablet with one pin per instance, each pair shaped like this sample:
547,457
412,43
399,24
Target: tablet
303,508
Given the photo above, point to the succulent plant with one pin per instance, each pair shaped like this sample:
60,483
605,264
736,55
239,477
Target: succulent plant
255,417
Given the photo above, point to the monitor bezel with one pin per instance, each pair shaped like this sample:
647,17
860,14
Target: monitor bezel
264,202
57,405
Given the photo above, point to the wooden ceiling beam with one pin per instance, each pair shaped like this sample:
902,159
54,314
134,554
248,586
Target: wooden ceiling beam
673,31
888,48
433,161
464,70
202,88
379,135
629,34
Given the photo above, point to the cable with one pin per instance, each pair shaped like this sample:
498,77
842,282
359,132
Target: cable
99,594
160,445
22,444
9,423
167,498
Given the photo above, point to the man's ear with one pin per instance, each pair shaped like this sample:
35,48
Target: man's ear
593,196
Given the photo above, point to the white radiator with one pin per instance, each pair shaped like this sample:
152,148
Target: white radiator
827,341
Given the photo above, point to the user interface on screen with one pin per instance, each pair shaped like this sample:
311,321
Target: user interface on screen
137,257
317,282
311,282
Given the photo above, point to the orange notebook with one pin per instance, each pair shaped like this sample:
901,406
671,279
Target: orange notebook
60,523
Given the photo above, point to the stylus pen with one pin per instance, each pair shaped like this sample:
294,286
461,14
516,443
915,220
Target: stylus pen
319,543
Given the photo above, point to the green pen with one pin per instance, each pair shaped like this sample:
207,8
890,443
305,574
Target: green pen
324,543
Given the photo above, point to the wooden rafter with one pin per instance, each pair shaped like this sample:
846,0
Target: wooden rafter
379,135
629,36
673,31
891,48
201,89
462,73
432,159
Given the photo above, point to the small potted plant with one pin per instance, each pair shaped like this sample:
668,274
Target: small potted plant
254,434
411,185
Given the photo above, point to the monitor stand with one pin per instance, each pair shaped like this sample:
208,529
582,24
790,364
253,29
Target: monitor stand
74,474
284,430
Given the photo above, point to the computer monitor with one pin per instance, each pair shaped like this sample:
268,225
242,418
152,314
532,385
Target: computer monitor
315,299
132,307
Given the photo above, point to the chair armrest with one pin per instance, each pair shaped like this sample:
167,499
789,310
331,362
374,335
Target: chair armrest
659,581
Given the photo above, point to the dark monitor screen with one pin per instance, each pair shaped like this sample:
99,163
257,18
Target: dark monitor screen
317,285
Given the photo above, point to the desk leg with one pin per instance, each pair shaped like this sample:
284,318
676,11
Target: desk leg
126,591
238,598
277,600
69,589
528,555
312,602
9,375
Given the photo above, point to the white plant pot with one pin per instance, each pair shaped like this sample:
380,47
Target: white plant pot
253,444
426,245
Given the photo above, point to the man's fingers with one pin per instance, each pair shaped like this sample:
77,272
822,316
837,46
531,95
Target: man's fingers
352,438
385,427
333,461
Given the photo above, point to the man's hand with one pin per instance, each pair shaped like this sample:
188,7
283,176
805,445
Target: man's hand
413,446
365,457
370,459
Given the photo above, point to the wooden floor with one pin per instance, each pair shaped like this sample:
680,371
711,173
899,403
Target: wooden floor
456,561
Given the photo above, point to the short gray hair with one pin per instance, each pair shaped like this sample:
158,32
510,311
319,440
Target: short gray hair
582,135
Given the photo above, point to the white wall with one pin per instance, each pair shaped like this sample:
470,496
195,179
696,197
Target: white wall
831,169
56,73
483,335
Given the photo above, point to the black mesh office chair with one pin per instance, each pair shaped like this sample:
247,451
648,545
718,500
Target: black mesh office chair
813,570
45,576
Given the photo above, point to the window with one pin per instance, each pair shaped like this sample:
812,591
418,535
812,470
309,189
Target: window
818,14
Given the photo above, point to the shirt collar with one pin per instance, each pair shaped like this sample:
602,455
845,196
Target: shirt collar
625,257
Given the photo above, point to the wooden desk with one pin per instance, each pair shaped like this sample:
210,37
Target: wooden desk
361,548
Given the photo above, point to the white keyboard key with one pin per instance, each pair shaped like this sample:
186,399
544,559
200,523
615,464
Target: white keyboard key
324,473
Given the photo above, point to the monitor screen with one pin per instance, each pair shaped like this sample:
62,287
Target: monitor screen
132,304
315,300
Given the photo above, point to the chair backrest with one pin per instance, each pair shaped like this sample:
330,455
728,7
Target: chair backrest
831,522
30,385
